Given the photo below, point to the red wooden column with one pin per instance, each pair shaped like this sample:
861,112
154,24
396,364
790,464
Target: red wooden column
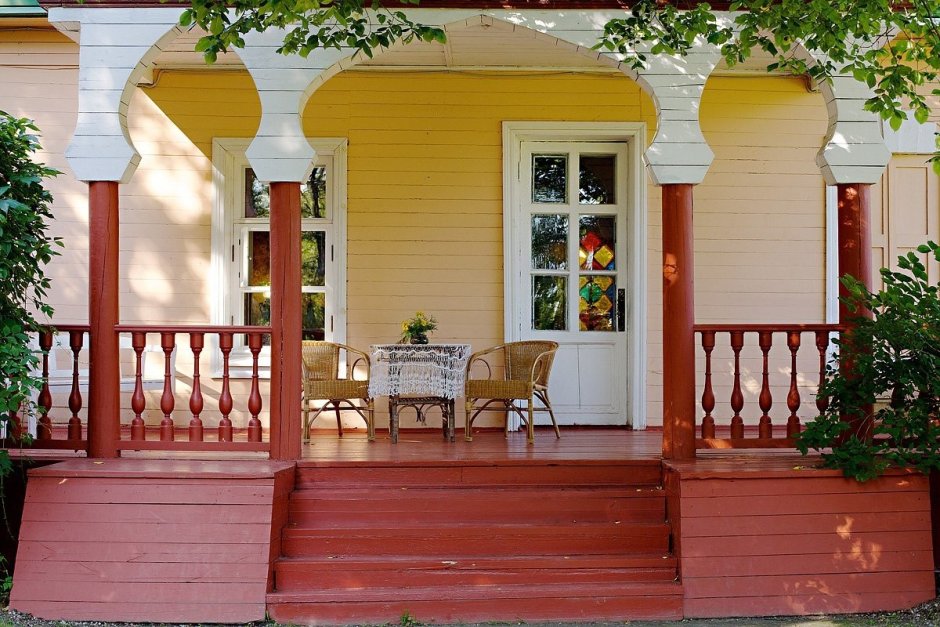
854,259
286,331
104,381
678,321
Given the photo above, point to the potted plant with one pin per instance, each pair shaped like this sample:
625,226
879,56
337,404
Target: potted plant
415,330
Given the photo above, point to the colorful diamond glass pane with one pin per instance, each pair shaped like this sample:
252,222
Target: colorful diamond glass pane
598,239
549,303
596,179
550,242
596,303
550,178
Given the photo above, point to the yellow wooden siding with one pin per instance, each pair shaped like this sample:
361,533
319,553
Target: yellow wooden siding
759,232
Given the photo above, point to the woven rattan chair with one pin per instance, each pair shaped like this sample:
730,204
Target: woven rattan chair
527,366
323,383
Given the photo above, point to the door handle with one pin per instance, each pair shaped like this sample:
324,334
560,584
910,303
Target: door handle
621,310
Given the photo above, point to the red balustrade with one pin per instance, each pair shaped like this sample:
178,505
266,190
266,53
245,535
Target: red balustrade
46,436
168,435
739,345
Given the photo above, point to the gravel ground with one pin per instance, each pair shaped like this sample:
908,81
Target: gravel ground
926,615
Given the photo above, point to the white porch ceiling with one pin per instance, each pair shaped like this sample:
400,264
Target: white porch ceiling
478,47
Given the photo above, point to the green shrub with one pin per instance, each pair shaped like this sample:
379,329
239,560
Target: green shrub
890,377
25,248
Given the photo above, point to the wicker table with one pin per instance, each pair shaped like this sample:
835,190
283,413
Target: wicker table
419,376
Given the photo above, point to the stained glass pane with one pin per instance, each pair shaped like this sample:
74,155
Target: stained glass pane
312,257
549,297
259,258
313,310
597,301
598,240
550,242
257,196
596,182
550,178
313,195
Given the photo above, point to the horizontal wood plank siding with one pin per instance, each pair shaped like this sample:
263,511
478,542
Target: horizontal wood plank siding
111,542
802,542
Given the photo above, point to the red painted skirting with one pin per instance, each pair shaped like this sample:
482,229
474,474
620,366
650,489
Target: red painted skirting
154,540
775,536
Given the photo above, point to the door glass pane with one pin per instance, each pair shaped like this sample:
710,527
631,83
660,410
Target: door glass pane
313,195
550,178
549,296
312,257
257,196
259,258
598,239
550,242
597,296
596,183
313,309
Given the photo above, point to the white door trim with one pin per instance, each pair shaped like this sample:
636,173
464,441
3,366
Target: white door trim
634,135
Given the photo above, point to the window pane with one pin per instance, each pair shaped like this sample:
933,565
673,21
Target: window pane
313,309
312,257
598,239
549,296
596,183
550,178
258,313
259,258
597,297
257,197
313,195
550,242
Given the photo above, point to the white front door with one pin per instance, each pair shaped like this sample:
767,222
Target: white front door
570,232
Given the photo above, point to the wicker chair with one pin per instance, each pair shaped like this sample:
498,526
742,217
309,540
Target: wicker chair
527,366
321,362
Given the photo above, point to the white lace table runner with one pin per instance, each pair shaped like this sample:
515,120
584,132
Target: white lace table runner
415,369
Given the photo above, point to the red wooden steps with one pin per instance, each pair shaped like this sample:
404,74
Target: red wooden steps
462,543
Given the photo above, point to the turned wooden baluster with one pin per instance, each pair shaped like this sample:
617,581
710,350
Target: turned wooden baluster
737,398
138,402
708,395
765,400
167,401
793,397
196,343
44,400
76,340
822,345
254,399
225,398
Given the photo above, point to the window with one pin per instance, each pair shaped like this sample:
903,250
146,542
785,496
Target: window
241,245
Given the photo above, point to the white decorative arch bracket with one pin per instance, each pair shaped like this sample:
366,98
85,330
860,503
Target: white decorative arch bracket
116,49
854,150
679,152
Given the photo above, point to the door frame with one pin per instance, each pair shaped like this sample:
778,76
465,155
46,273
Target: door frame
633,134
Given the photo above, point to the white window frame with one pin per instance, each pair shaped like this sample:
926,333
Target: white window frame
229,163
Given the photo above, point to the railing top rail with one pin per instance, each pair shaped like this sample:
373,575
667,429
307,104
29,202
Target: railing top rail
776,326
64,328
188,328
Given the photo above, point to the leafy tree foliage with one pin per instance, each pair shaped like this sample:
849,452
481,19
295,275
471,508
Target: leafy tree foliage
310,24
25,248
894,355
888,45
